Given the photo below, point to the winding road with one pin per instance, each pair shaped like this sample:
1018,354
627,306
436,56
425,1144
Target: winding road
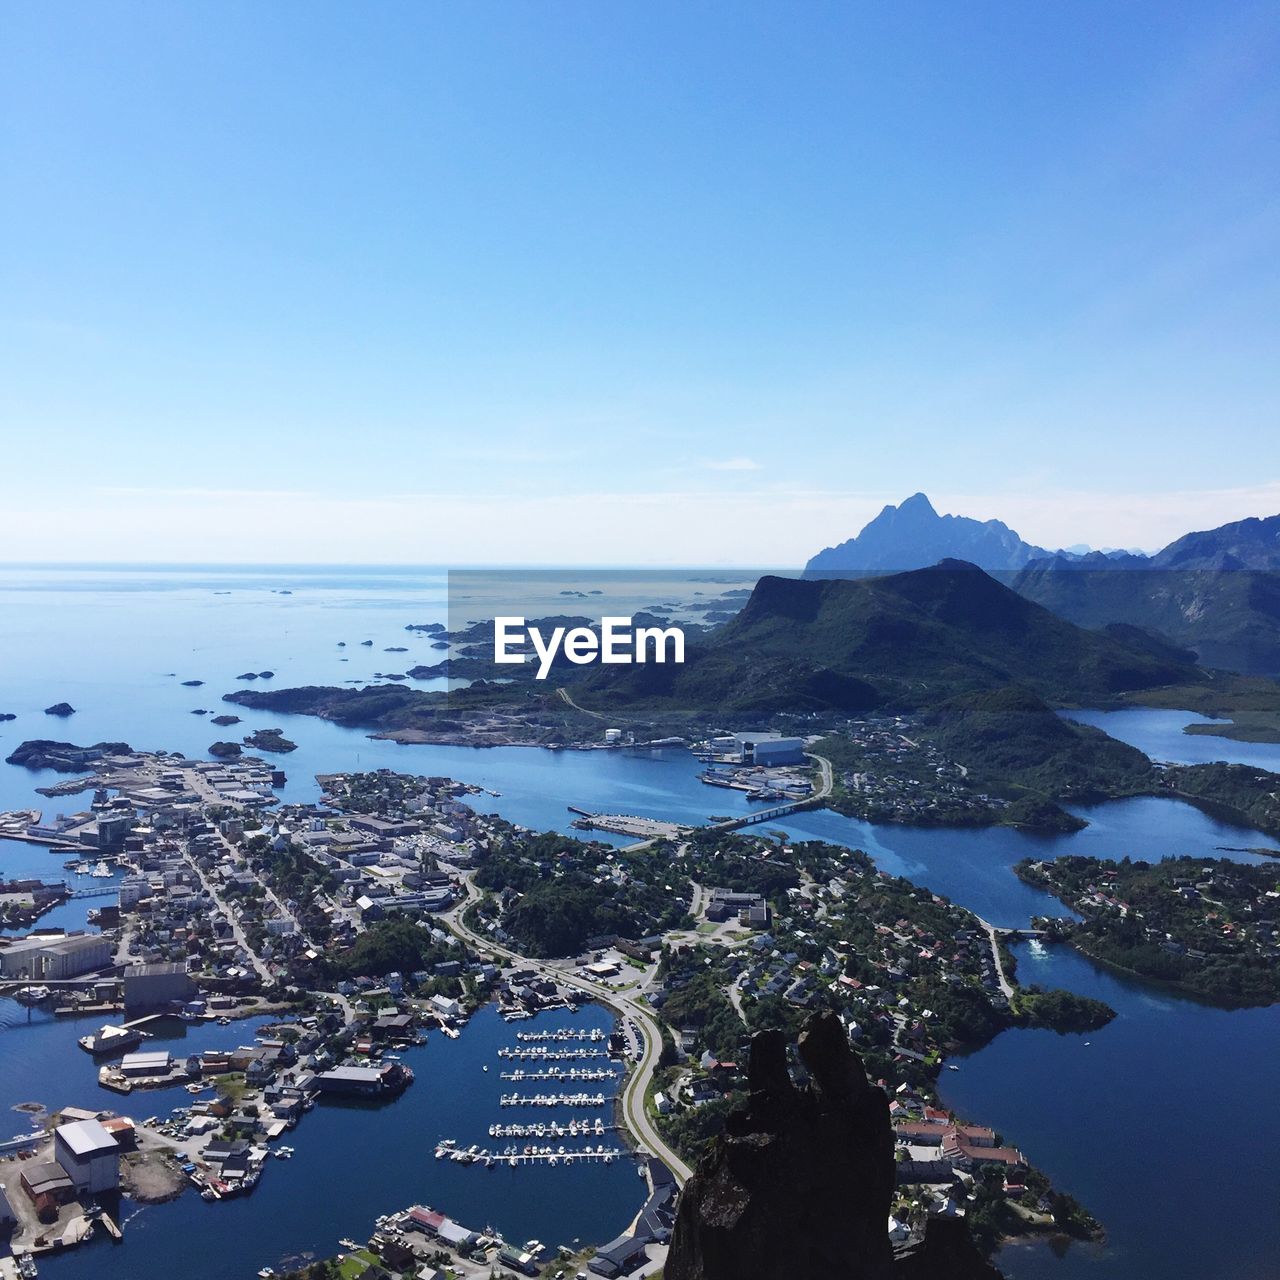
636,1089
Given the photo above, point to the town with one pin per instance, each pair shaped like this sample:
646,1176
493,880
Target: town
350,929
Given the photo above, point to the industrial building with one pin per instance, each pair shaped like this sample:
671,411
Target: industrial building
54,959
89,1155
150,986
766,749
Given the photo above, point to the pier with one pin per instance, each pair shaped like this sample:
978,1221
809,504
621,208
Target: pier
513,1156
552,1100
540,1054
573,1073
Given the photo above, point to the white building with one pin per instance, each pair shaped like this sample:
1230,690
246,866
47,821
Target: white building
89,1155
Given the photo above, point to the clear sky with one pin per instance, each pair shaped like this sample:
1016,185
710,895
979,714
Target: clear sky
631,282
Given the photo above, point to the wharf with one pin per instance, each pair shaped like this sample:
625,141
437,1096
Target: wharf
539,1053
552,1100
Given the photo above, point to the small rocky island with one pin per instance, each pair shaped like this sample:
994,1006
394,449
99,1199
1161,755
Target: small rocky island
225,750
270,740
60,709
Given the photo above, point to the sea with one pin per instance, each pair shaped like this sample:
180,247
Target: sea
1163,1123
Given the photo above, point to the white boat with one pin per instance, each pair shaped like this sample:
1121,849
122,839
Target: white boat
101,872
32,995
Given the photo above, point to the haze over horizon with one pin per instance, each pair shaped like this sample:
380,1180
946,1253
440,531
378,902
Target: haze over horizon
490,284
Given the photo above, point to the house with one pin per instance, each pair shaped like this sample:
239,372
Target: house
620,1257
445,1007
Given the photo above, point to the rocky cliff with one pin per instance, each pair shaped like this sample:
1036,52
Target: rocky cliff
801,1181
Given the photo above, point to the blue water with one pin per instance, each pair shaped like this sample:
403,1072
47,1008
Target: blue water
1164,1125
1131,1127
1160,734
973,867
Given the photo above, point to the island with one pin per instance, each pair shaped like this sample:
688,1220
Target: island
1202,925
270,740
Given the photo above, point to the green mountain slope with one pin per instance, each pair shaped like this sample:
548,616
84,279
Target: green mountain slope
909,640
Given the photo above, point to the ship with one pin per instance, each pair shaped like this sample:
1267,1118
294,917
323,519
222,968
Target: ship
32,995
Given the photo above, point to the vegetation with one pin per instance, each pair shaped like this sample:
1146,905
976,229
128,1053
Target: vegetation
389,946
555,893
1205,925
1061,1011
1236,791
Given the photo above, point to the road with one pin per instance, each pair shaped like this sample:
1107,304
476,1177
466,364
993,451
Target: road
237,932
1006,987
828,778
637,1087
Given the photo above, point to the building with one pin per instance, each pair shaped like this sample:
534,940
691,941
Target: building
149,986
55,959
445,1007
750,909
766,748
620,1257
89,1155
48,1187
132,891
379,1081
152,1063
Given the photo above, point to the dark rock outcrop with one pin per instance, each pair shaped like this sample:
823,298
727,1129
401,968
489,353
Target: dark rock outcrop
225,750
270,740
62,757
801,1181
60,709
225,720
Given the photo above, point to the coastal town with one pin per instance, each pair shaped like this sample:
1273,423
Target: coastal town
347,931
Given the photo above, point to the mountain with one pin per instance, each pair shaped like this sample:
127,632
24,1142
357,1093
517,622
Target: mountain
914,535
1191,593
1246,544
1215,592
907,641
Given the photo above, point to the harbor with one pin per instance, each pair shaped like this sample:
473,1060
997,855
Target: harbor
591,1196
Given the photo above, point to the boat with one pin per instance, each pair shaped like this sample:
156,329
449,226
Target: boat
101,872
27,1266
952,1067
267,1272
32,995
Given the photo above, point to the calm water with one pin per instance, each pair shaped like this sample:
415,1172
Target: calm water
1160,734
1131,1128
1144,1127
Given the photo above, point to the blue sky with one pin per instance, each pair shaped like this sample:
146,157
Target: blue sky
631,282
